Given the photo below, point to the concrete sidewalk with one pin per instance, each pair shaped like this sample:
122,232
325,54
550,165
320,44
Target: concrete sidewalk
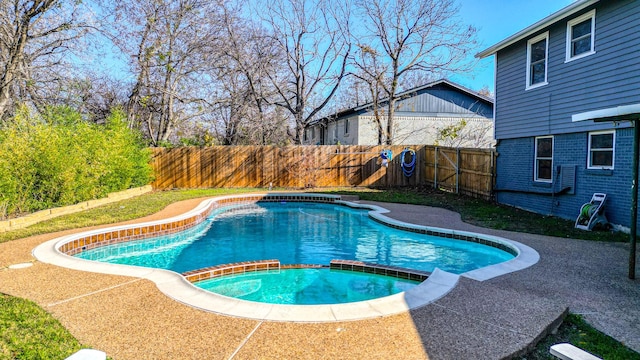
129,318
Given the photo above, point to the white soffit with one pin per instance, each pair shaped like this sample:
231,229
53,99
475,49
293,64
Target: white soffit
609,114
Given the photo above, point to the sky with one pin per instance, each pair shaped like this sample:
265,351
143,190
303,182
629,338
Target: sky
495,20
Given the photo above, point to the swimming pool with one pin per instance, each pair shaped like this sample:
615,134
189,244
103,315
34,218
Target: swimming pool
300,233
174,285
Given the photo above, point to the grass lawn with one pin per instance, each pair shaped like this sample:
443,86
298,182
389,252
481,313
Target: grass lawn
29,332
576,331
124,210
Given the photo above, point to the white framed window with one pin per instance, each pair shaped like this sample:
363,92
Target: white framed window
346,126
601,149
335,131
537,55
581,36
543,171
305,136
313,132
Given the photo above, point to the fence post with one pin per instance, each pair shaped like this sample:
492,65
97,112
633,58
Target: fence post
435,168
492,176
457,170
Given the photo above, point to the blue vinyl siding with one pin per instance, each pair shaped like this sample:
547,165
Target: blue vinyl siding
608,78
515,185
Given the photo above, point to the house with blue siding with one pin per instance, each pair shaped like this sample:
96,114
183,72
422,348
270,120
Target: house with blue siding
567,91
420,116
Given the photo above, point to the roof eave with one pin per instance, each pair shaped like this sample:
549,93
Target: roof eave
356,109
430,85
549,20
617,113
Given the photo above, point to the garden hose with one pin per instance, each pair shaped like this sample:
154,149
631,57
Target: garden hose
588,210
410,167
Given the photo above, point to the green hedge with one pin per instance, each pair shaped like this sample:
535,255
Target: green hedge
56,158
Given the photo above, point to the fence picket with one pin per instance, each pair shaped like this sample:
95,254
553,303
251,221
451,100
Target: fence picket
322,166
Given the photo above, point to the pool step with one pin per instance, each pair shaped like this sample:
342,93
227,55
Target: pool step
231,269
373,268
347,265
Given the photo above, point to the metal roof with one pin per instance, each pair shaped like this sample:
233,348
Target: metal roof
453,85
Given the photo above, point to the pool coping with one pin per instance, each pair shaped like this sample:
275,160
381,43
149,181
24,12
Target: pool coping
177,287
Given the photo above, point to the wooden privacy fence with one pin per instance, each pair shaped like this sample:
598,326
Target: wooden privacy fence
463,170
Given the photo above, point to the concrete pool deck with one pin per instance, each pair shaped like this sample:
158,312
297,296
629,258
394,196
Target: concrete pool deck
129,318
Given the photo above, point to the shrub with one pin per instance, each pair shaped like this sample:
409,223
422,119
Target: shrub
56,159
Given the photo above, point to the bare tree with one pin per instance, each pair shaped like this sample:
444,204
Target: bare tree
485,91
34,38
371,70
171,47
353,92
311,37
93,95
247,55
408,36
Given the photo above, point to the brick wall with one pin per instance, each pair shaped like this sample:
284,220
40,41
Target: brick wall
515,185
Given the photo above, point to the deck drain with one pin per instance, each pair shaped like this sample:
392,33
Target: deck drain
21,265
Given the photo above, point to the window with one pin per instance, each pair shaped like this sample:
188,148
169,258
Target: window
601,150
581,36
313,132
537,49
346,126
544,159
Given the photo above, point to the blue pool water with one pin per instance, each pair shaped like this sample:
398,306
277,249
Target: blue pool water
306,286
297,233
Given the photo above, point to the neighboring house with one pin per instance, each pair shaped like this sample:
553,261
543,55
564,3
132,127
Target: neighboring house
580,63
420,115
